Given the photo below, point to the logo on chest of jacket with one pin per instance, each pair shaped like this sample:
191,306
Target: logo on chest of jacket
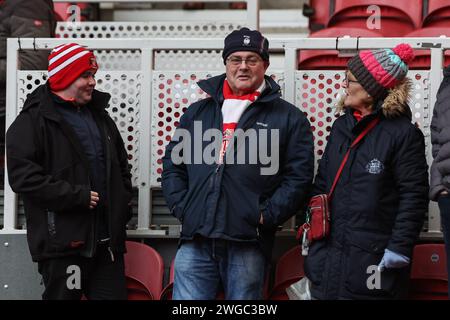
375,166
262,124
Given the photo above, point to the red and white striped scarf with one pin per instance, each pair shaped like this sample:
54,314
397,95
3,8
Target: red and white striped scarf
232,108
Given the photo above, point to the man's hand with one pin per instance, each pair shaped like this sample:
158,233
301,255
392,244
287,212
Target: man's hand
94,200
444,193
261,219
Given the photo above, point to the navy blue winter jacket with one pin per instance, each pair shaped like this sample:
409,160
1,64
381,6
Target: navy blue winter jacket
379,202
226,201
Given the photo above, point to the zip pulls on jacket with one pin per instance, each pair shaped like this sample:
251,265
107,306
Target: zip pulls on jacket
111,254
93,242
108,191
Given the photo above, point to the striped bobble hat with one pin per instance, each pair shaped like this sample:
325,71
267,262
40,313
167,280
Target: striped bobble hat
380,70
66,63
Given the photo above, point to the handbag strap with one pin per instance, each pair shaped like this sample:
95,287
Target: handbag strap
369,127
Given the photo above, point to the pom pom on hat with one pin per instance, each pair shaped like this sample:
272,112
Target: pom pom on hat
405,52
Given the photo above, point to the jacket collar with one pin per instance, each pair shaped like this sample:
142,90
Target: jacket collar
43,97
213,87
355,127
447,72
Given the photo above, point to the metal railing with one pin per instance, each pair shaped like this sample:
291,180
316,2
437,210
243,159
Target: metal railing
163,89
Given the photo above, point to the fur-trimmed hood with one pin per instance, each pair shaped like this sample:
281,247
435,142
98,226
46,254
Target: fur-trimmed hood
395,104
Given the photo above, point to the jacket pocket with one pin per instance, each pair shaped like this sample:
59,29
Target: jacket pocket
178,209
51,227
365,252
446,181
315,262
250,209
68,230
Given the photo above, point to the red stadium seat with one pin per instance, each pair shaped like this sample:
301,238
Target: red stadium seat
144,270
289,269
429,273
166,293
438,14
422,58
64,11
137,290
322,12
397,17
330,59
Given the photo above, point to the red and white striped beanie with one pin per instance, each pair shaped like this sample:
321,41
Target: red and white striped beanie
66,63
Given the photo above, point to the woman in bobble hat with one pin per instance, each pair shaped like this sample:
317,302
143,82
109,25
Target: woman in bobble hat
379,202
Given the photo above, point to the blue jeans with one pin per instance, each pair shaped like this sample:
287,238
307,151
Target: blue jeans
204,266
444,207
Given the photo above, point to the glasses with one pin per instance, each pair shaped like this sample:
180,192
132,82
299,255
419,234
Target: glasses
237,61
347,81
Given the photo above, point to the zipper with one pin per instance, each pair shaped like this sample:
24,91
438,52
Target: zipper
324,201
108,188
111,254
323,226
93,243
51,226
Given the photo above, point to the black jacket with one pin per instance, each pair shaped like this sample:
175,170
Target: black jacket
225,201
379,202
48,167
440,138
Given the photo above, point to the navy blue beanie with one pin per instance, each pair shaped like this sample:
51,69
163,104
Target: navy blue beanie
246,40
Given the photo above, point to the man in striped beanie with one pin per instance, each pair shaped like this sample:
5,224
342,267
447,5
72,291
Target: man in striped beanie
66,64
58,151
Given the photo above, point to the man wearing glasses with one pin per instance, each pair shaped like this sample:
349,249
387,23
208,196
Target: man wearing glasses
230,208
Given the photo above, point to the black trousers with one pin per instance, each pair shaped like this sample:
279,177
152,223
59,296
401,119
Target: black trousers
444,207
98,278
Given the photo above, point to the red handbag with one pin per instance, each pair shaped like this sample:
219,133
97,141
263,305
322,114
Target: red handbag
317,224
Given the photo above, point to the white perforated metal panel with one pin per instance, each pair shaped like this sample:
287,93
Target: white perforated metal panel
420,105
27,81
126,60
188,60
124,106
419,102
160,29
172,92
316,95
